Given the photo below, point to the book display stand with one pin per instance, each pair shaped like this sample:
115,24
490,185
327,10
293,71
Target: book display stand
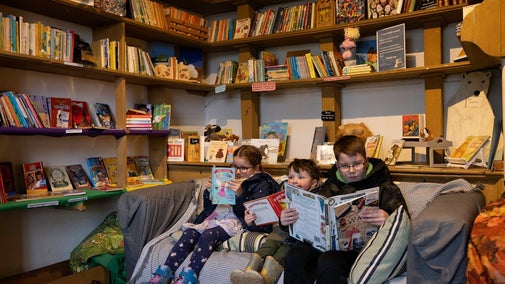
438,143
478,160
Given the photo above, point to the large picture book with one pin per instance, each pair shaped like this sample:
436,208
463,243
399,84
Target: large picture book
394,152
61,112
193,148
276,130
111,167
412,125
350,11
58,178
98,172
81,117
175,149
219,191
104,116
267,209
143,166
269,148
391,51
78,176
470,152
216,152
34,178
327,223
161,116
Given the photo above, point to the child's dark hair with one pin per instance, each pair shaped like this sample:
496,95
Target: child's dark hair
307,165
350,145
249,152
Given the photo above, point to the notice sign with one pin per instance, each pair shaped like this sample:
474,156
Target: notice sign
263,86
391,48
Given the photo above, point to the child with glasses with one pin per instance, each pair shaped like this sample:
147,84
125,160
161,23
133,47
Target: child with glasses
217,223
266,265
352,172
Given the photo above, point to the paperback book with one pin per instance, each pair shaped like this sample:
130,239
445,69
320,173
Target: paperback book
216,152
176,149
373,146
58,178
267,209
394,152
104,115
471,151
331,223
98,172
161,116
35,179
220,193
78,176
276,130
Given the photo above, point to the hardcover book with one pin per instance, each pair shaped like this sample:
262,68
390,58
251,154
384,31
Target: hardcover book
242,73
176,149
220,193
366,52
161,116
331,223
242,28
391,52
193,149
325,155
378,9
78,176
276,130
7,178
269,148
81,118
351,11
394,152
58,178
35,179
267,209
104,115
318,139
217,151
325,13
111,167
412,124
98,172
61,112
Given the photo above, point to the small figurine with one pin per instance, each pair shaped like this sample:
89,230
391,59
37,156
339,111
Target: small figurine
349,44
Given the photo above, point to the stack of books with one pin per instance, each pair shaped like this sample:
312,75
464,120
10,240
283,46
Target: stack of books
357,69
138,120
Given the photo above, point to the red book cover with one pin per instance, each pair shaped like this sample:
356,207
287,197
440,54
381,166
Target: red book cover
267,209
61,112
81,117
35,179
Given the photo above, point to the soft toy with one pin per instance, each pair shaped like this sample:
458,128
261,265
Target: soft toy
210,132
349,43
357,129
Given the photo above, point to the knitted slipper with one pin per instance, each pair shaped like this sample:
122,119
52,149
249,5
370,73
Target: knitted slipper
253,277
238,277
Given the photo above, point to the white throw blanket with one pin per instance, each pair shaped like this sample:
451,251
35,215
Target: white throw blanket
419,195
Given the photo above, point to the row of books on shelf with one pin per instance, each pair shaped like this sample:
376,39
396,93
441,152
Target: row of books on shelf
36,111
63,180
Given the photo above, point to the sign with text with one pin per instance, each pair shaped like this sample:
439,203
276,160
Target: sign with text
263,86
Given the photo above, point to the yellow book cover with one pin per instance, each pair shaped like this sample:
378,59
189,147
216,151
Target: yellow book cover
469,148
310,65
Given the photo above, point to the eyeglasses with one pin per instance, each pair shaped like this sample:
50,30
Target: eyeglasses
357,166
242,169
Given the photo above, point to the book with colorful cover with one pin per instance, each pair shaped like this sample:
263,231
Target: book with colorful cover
412,125
98,172
351,11
276,130
242,73
468,150
394,152
373,146
161,116
220,193
267,209
35,179
242,28
216,152
58,178
143,166
366,52
6,171
81,117
78,176
176,149
61,112
318,139
269,148
111,167
104,115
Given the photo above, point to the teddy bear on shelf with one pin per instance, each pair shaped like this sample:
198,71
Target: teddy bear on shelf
348,46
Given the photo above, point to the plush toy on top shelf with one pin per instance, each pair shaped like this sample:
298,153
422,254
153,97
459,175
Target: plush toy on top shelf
348,46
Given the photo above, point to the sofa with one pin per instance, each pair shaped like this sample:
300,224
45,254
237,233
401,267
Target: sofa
440,221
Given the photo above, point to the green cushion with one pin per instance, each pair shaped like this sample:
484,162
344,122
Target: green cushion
385,255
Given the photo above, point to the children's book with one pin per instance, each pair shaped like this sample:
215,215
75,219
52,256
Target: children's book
276,130
242,28
412,124
366,52
217,151
471,151
318,139
7,174
242,73
61,112
161,116
267,209
269,148
58,178
394,152
193,148
331,223
98,172
350,11
176,149
373,146
143,167
104,115
220,193
78,176
111,167
325,154
35,179
42,109
81,118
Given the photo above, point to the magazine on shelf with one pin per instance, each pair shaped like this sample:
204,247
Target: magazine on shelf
331,223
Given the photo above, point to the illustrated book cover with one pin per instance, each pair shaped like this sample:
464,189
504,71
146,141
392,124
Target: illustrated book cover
325,14
216,152
78,176
220,193
391,52
468,151
267,209
366,52
325,154
242,73
394,152
104,115
412,124
34,178
143,166
242,28
276,130
98,172
161,116
6,171
61,112
193,148
373,146
327,223
378,9
58,178
269,148
318,139
350,11
111,167
81,117
42,109
176,149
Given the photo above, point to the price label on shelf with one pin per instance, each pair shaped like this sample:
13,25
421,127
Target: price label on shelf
263,86
73,131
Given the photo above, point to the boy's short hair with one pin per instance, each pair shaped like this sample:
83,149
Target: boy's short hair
350,145
305,165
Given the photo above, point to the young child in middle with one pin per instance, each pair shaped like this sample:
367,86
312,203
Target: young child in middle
305,174
217,223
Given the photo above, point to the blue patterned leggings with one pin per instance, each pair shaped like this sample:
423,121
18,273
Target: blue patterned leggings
205,243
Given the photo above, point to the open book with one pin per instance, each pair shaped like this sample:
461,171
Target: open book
267,209
331,223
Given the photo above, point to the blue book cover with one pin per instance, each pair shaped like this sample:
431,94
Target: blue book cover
276,130
219,191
